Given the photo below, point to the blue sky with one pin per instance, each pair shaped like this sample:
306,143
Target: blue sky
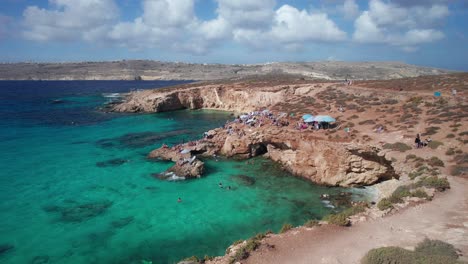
423,32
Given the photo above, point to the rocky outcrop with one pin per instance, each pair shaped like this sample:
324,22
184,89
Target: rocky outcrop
207,97
186,165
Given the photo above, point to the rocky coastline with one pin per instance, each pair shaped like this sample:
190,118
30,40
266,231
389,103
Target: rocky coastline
303,153
372,144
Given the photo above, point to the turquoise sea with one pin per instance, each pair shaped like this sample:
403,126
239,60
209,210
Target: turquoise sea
76,186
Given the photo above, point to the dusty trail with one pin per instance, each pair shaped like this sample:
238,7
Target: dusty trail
445,218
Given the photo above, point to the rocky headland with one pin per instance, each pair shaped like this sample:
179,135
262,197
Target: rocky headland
372,143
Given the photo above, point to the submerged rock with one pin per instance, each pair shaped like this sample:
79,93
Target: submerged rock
121,222
111,163
79,212
40,260
138,140
244,179
5,248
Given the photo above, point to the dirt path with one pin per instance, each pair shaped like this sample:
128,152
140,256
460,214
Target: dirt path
445,218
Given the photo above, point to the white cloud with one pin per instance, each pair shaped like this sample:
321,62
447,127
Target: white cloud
173,25
69,20
350,9
393,24
247,13
292,26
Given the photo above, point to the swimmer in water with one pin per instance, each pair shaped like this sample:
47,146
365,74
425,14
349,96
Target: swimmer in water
179,200
220,185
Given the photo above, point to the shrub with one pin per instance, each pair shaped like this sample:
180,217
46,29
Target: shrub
459,170
399,193
420,193
434,144
286,227
244,252
384,204
312,223
398,146
388,255
410,156
450,135
450,152
337,219
430,131
193,259
440,184
436,162
436,247
427,251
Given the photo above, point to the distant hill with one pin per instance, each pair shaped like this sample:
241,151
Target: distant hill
156,70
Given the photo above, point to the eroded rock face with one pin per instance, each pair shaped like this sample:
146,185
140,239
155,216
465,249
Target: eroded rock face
208,96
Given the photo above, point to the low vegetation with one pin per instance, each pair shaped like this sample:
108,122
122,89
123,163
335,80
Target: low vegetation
244,251
286,227
427,251
435,162
434,144
440,184
312,223
398,146
342,219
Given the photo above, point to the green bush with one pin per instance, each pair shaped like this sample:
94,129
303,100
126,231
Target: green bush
410,156
286,227
384,204
435,162
420,193
312,223
450,135
244,252
436,247
398,146
440,184
337,219
450,152
400,192
428,251
388,255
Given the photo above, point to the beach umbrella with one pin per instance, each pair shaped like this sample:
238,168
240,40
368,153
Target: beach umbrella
309,120
324,118
306,116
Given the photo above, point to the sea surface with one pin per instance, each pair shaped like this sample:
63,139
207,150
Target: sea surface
76,186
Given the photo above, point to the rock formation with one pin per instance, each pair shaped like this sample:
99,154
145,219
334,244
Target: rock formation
305,154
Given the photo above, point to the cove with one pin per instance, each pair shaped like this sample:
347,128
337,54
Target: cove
76,186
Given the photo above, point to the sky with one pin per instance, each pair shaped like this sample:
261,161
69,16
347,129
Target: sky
430,33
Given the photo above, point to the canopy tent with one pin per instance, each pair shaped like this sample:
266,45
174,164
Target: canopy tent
324,118
307,116
309,120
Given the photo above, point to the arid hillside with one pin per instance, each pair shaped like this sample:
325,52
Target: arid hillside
156,70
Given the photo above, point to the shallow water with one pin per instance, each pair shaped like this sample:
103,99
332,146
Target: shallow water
76,187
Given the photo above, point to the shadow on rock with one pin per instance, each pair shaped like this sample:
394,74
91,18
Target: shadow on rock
244,179
111,163
79,212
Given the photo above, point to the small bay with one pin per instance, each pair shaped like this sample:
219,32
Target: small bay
76,186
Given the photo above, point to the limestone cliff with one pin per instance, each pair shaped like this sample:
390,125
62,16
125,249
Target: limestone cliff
306,154
207,97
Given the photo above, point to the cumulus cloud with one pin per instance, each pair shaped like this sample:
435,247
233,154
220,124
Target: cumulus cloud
69,20
173,24
292,25
393,24
350,9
